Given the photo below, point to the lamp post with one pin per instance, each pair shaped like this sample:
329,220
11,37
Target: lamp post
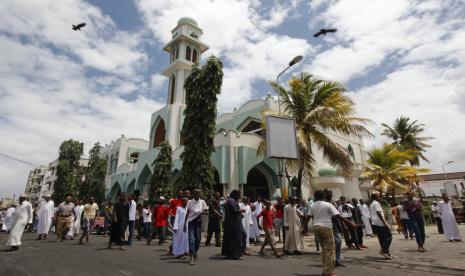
444,169
445,174
294,61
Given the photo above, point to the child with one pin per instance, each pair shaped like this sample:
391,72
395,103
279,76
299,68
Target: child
267,222
85,225
180,238
147,219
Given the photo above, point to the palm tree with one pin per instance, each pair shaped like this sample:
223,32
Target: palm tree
388,169
319,107
406,136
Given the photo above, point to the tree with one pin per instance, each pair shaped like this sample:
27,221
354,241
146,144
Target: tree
69,173
388,169
160,181
94,182
406,136
319,107
198,130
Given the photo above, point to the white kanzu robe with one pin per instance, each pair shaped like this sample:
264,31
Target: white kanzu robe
44,216
21,218
180,238
366,219
77,223
449,224
8,217
254,231
246,221
294,239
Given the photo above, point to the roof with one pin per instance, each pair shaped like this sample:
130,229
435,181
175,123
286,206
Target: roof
440,176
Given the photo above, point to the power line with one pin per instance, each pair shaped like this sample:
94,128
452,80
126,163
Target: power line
19,160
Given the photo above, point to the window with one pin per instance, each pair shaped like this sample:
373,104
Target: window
159,135
172,89
176,52
461,184
134,157
188,53
194,55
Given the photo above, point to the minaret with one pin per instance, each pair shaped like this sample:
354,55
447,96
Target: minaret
185,49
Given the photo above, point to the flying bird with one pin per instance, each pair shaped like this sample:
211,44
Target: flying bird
78,26
324,32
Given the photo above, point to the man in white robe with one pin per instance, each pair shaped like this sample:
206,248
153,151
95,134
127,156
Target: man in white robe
21,218
254,230
449,224
367,231
77,217
180,237
45,215
8,217
259,207
246,219
294,241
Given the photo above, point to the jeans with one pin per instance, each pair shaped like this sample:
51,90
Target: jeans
106,224
279,227
131,231
194,229
147,230
338,243
214,226
439,224
360,235
417,224
384,237
406,228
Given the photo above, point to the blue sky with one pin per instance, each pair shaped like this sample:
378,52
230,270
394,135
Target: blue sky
396,57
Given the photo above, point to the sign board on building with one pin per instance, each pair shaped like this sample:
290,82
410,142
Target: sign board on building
281,141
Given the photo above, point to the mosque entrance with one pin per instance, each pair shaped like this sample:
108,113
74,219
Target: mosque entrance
257,185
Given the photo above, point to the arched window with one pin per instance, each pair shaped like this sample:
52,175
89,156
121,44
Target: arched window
159,135
110,164
172,89
194,55
188,53
134,157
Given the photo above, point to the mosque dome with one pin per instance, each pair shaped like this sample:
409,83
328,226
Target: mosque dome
187,20
327,171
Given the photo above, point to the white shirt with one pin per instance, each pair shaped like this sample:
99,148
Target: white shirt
132,210
322,213
402,213
146,215
374,208
195,208
347,213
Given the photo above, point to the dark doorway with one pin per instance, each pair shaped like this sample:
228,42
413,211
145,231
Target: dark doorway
257,185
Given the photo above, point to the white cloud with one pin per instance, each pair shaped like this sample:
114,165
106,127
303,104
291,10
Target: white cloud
237,31
46,95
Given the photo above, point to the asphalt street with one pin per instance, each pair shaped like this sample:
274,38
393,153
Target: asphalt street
67,258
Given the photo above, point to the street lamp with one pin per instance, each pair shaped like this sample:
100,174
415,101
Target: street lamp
444,170
294,61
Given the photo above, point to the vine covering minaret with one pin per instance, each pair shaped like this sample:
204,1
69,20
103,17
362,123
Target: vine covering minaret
185,49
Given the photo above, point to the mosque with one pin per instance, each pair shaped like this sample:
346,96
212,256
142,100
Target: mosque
236,163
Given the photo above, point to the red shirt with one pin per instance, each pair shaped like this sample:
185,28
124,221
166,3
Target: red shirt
161,213
279,211
174,204
267,218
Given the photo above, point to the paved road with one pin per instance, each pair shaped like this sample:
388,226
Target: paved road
67,258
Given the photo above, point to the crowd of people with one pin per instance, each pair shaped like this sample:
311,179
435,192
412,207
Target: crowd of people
235,223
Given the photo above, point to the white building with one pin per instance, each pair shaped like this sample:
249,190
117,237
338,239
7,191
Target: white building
41,180
235,159
453,184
